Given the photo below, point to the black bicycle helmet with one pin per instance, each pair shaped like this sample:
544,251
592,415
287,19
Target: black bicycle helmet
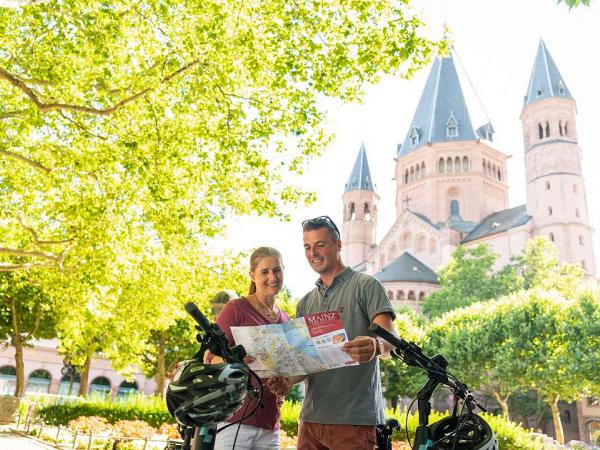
465,432
202,394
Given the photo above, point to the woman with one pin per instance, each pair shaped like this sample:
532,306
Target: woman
261,430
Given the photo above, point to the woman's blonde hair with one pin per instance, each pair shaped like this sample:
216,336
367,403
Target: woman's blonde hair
256,256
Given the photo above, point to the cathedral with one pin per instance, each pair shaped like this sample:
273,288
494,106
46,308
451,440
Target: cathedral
452,187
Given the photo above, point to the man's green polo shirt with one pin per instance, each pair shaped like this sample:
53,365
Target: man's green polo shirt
347,395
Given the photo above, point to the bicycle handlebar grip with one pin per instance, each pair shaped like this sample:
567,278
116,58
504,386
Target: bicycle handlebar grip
193,311
385,334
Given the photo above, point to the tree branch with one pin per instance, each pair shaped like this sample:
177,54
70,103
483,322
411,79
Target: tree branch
46,107
36,238
36,165
30,254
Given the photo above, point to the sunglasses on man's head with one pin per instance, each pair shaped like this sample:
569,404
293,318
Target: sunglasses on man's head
321,221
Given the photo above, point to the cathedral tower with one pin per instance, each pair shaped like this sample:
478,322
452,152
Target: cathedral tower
556,197
360,213
443,161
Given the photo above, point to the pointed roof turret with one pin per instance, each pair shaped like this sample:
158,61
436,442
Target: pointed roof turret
442,113
545,80
360,178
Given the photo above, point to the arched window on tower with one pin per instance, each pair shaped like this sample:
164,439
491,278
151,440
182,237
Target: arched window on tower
417,172
560,127
422,169
575,189
465,164
547,129
367,215
580,240
412,174
449,165
583,264
457,164
549,210
483,167
406,176
441,165
540,131
577,212
499,174
411,296
551,237
547,185
565,129
400,295
489,169
421,296
352,212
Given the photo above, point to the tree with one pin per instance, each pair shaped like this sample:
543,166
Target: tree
26,313
467,278
399,379
173,115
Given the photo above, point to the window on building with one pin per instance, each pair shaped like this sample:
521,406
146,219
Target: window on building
390,295
549,210
575,188
547,129
411,296
406,176
441,165
417,172
551,237
452,127
421,295
576,212
422,169
499,175
540,131
580,240
560,127
565,129
449,165
412,174
547,185
583,264
352,211
414,137
400,295
539,92
466,167
367,215
457,164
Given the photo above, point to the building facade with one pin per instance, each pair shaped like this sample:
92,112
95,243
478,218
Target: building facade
452,189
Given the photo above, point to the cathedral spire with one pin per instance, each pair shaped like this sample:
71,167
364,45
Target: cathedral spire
360,178
442,113
545,80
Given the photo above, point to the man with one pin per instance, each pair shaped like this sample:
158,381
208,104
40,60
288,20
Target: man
342,406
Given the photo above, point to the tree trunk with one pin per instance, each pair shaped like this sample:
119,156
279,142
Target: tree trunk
503,402
84,380
558,430
18,343
161,366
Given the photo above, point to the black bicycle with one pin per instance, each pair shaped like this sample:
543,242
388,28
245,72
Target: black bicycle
463,429
202,395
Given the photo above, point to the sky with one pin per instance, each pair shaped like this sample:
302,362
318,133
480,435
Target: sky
495,44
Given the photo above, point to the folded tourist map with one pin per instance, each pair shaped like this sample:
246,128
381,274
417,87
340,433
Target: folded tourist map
301,346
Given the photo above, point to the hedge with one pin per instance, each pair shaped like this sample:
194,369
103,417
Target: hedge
151,410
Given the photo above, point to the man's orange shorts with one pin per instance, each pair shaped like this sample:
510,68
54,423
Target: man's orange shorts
316,436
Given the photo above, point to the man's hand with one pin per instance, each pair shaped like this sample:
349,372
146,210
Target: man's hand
282,385
361,349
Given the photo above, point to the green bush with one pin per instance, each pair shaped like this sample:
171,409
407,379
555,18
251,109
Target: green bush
135,407
290,412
